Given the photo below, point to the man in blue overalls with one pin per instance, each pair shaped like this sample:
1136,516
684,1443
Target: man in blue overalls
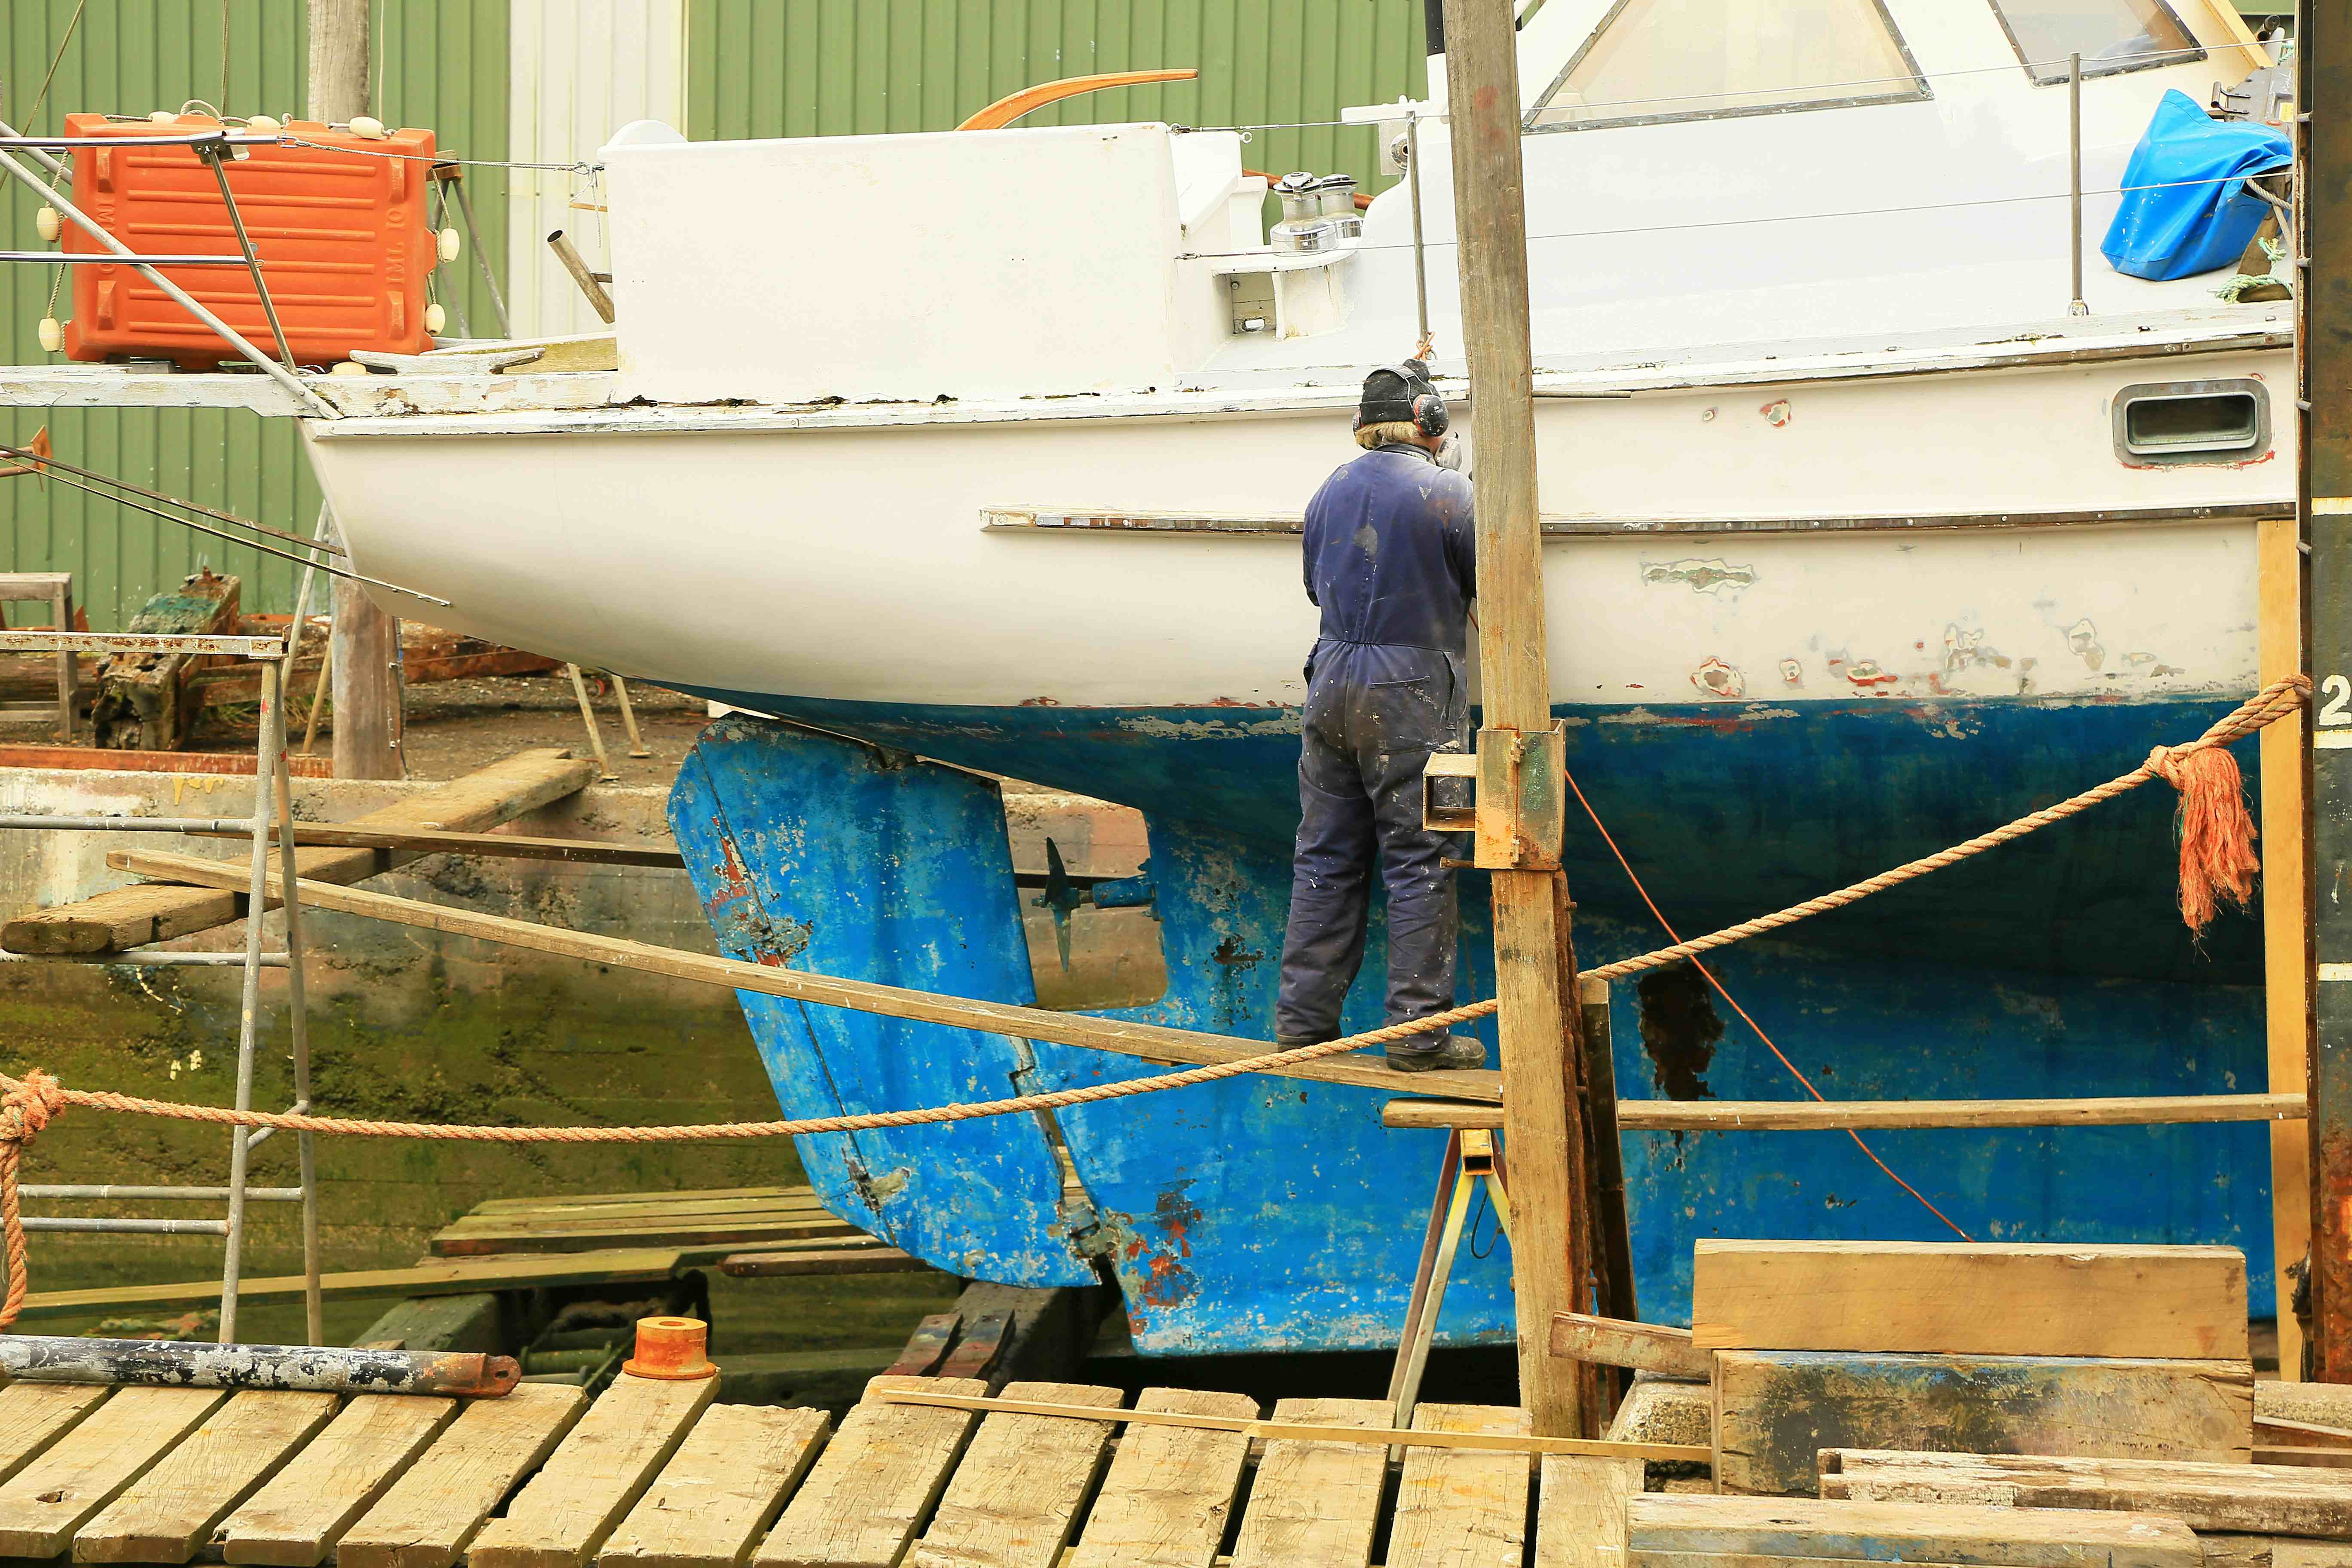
1390,561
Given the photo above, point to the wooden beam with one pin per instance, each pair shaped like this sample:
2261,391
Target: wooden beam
875,1484
1776,1410
2286,919
2262,1499
131,917
438,1504
916,1392
1839,1115
1170,1492
297,1520
457,1277
505,846
171,1510
1151,1041
1729,1530
1539,1027
1970,1298
721,1489
1458,1509
595,1475
1024,1480
1614,1341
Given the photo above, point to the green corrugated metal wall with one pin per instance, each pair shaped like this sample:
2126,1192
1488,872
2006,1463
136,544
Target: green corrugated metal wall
442,63
756,68
814,67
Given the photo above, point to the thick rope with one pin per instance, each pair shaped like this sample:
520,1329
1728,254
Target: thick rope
27,1104
2268,706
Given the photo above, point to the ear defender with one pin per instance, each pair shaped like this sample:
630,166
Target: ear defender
1429,415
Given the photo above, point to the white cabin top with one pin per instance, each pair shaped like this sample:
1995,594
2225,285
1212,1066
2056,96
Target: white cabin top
1788,174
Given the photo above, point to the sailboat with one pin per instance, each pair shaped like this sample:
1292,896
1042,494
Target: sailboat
955,456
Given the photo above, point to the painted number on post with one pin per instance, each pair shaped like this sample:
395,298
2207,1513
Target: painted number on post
2338,692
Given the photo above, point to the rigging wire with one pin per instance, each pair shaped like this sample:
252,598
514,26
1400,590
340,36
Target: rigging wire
21,455
248,543
1668,926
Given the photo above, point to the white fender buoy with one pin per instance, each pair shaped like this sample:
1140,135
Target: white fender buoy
264,124
368,128
348,367
47,225
162,115
435,318
448,243
53,335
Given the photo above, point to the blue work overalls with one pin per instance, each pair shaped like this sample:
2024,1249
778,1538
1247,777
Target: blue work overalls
1390,561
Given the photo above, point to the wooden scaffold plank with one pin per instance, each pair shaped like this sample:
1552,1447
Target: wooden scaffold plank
298,1518
1581,1510
2263,1500
1171,1489
1745,1533
1015,1497
35,1415
1316,1501
1775,1410
595,1475
1462,1508
434,1509
720,1491
45,1502
875,1483
2183,1303
171,1510
130,916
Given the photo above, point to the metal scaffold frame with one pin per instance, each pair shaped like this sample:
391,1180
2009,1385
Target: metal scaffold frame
273,804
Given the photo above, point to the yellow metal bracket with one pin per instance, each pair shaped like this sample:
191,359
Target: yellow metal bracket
1518,798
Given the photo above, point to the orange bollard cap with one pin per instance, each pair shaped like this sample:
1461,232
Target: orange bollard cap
672,1348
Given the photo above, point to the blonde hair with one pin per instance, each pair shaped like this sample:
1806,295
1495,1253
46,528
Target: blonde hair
1389,433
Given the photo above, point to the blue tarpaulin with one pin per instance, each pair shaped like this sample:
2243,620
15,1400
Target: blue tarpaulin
2186,208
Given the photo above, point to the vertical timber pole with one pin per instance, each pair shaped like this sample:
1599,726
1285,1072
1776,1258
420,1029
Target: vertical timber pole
366,641
1534,964
2322,146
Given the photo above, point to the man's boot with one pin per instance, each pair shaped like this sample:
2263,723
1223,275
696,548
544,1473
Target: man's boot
1448,1052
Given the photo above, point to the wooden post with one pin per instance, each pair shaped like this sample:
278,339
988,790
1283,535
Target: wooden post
2287,927
1533,961
365,648
2323,171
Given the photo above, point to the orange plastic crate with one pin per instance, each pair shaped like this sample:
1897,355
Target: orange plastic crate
341,235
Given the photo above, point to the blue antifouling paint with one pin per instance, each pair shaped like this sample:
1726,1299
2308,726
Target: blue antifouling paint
1262,1213
842,858
2185,208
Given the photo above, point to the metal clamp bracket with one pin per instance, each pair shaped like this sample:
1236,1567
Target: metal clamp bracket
1518,799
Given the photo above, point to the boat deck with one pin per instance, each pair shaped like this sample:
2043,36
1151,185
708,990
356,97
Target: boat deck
655,1475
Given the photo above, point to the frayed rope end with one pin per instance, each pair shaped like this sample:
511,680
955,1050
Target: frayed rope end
2216,830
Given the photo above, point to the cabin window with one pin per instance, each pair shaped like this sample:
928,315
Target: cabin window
2111,36
2166,422
1652,60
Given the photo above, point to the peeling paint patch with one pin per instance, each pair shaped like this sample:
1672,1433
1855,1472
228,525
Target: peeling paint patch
1708,576
1777,413
1967,650
1868,673
2083,641
1717,679
1792,672
1154,727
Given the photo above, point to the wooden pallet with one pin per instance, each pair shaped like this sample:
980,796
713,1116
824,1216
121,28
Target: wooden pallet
713,1221
653,1475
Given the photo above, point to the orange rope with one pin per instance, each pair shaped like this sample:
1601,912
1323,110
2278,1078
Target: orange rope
1793,1071
27,1104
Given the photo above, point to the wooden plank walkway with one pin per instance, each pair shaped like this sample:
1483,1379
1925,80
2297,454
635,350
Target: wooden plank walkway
653,1475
